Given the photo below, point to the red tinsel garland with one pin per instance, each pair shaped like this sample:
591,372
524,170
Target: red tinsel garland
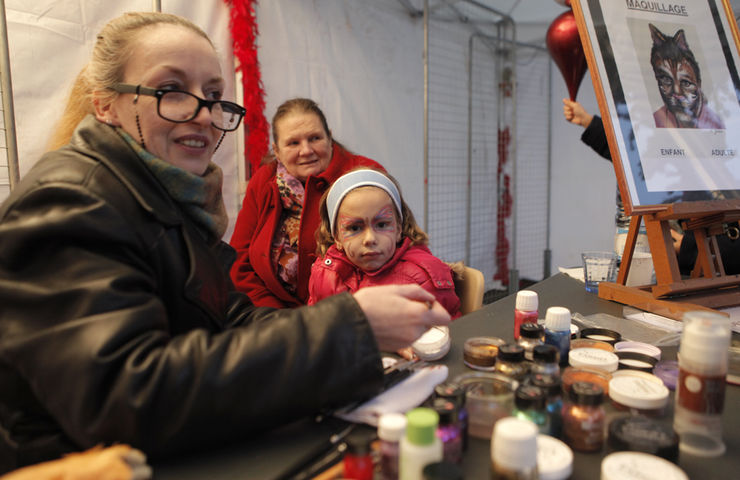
244,31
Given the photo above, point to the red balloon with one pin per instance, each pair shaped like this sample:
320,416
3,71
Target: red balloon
566,49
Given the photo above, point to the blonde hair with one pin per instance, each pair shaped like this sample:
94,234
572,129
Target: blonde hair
409,227
112,51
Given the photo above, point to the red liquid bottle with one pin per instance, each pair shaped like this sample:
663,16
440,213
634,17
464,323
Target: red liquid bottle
525,310
358,461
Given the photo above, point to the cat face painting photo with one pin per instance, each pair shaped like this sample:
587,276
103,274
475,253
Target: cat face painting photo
679,82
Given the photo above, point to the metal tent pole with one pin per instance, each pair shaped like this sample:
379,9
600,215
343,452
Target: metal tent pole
7,94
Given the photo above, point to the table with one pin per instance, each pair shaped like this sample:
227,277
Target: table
267,456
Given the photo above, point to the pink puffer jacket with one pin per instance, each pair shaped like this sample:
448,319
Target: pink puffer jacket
334,273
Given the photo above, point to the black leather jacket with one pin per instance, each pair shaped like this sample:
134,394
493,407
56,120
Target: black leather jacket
118,321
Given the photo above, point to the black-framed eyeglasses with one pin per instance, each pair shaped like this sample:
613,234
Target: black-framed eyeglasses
179,106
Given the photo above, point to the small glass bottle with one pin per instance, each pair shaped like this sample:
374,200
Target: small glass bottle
557,331
525,310
420,446
358,461
514,450
529,404
510,361
448,430
530,335
391,428
546,359
456,394
552,385
584,418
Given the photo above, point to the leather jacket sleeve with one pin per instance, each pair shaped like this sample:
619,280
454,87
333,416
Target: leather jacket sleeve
595,137
89,344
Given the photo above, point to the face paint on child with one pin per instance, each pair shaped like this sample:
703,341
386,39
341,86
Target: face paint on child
367,228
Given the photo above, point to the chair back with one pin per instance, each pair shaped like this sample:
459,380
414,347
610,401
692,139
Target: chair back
470,290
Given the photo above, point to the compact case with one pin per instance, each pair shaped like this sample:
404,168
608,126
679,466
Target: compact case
639,392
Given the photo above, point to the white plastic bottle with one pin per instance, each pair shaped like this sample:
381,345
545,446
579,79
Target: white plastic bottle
391,429
700,391
514,450
420,446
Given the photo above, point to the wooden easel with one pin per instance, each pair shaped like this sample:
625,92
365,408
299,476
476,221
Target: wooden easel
708,288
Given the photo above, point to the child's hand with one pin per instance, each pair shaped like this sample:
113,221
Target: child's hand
575,113
400,314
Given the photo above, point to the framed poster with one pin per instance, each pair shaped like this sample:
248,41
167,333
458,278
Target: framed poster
666,79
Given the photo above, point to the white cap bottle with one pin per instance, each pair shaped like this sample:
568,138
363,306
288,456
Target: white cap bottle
514,449
525,309
700,392
557,331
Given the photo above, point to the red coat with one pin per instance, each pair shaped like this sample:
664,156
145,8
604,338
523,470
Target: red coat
410,264
254,272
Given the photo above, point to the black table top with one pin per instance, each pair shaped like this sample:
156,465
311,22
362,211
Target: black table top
270,454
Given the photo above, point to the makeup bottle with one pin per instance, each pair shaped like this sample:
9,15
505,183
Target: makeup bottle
552,386
557,331
358,461
456,394
420,446
584,418
529,404
448,430
510,361
700,391
530,336
545,359
525,310
391,428
514,450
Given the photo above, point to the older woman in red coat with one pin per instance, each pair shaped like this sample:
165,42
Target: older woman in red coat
274,233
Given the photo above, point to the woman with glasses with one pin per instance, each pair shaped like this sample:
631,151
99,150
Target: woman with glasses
274,236
118,320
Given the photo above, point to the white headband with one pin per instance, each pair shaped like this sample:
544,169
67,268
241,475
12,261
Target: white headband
359,178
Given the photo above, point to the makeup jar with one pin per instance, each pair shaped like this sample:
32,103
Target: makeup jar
588,343
572,375
638,394
639,347
479,353
636,361
554,458
601,334
433,344
633,465
667,370
488,397
642,434
593,358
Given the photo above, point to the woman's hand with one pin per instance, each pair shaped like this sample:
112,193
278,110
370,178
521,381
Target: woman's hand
575,113
400,314
677,239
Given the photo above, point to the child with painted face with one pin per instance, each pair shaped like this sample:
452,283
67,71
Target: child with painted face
368,236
